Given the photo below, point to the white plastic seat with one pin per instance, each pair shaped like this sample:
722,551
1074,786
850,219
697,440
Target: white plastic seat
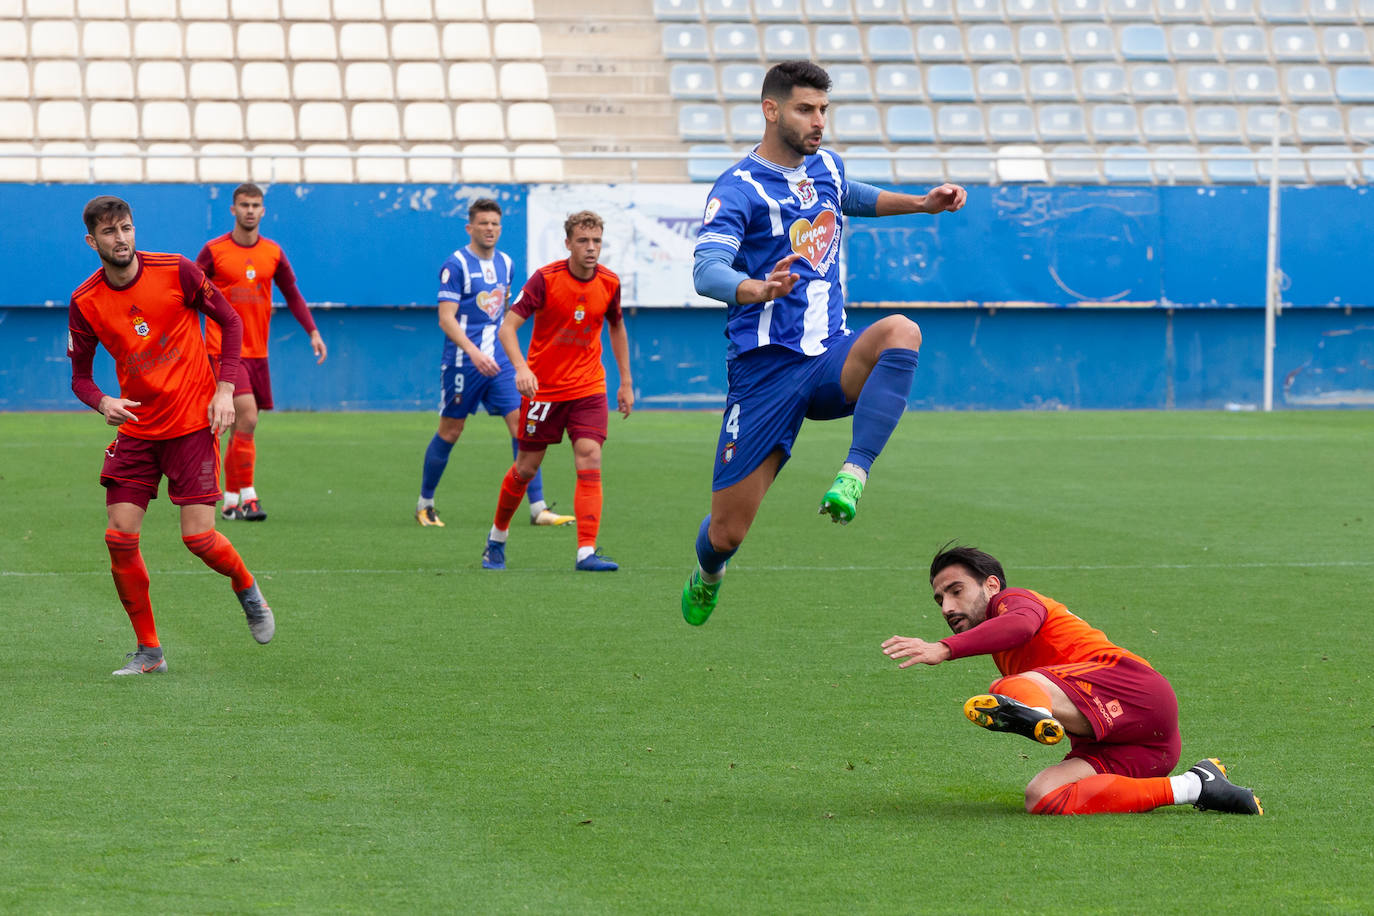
745,81
1182,165
261,41
1206,84
1051,82
264,166
1011,124
776,10
939,42
425,121
1322,124
1040,42
1333,10
109,79
838,42
367,81
152,9
692,81
701,122
910,124
1295,43
863,168
511,10
218,121
474,80
849,83
374,121
106,40
432,163
1255,84
166,121
14,40
1001,82
735,41
746,122
1126,165
1092,42
270,121
414,41
312,41
915,165
292,10
1181,10
114,121
1103,82
1021,163
1244,42
1230,171
1153,83
266,10
214,79
479,165
537,162
531,121
1344,44
222,162
973,10
417,81
829,10
1291,169
268,80
898,82
99,9
1122,10
466,41
363,41
170,162
125,167
161,79
56,79
1309,84
685,42
989,42
1021,10
1094,10
209,41
930,10
1164,123
327,163
16,121
856,124
1115,123
970,168
478,121
524,82
1283,10
1192,42
312,81
1062,122
14,79
786,42
960,124
358,10
379,163
1217,124
212,10
876,10
407,10
1074,163
54,38
322,121
1263,122
517,41
1232,10
64,161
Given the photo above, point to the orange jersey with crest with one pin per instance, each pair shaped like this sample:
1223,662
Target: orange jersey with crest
244,273
565,341
1063,638
152,329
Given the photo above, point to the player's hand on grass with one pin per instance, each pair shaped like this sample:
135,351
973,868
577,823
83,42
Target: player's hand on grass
526,383
625,399
116,410
221,411
945,199
317,345
916,651
779,282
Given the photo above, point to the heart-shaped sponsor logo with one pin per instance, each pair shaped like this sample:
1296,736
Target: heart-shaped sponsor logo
812,240
492,301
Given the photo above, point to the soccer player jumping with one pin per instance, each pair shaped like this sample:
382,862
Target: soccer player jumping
1062,676
144,308
769,248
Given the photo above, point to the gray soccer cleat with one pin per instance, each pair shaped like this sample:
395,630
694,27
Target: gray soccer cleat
143,660
260,620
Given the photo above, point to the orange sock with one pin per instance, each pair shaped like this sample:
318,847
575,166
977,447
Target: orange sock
587,507
1023,689
1107,793
512,491
131,582
217,553
238,463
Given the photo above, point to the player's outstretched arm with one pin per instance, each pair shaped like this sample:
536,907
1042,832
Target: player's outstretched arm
947,198
916,651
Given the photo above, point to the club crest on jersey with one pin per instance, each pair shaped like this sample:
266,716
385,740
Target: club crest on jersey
492,301
805,189
529,429
727,454
250,271
712,208
140,323
581,311
489,273
813,239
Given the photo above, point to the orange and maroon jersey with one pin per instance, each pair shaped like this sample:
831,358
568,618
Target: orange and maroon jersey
244,273
565,340
152,329
1026,630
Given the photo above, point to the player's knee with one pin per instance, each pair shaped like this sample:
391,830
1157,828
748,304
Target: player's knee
901,333
1033,796
724,536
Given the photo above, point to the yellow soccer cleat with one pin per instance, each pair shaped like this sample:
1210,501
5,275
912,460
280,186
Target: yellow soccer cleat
428,517
997,713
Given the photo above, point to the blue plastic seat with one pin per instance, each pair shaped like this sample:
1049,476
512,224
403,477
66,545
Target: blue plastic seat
1124,10
890,42
874,171
1232,10
1162,123
1283,10
1309,84
1355,84
726,10
856,124
677,10
778,10
1115,123
703,166
685,42
1192,42
1144,42
1092,42
974,10
1344,44
746,122
960,124
1362,124
838,42
1231,171
1052,82
1040,42
898,82
977,165
1244,42
1153,83
1344,167
1295,42
1022,10
915,165
989,42
1208,84
1102,82
1255,84
1124,165
950,83
910,124
1262,122
733,41
998,82
829,10
701,122
692,81
1183,165
939,42
1073,163
1333,11
930,10
1322,124
1217,124
878,10
1060,123
1291,168
850,83
1011,124
1092,10
786,42
741,81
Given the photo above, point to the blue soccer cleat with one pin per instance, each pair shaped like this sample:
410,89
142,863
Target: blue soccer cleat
494,557
597,563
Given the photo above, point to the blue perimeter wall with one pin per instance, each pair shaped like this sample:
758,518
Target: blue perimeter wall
1030,298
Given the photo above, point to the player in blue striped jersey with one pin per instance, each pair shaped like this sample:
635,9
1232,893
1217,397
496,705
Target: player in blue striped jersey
769,248
474,287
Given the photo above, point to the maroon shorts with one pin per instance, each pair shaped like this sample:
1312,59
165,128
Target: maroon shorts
252,378
1132,710
133,468
544,421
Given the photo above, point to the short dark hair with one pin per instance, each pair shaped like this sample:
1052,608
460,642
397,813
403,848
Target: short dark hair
979,564
782,78
483,205
102,208
247,189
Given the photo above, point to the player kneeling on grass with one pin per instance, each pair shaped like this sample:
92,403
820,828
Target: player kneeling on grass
1062,676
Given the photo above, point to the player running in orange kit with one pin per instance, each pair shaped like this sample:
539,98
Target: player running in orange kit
144,308
563,385
1061,675
243,265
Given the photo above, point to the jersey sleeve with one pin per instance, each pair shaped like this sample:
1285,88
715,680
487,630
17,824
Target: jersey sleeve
285,278
531,297
725,220
204,296
206,261
452,279
613,313
81,344
1013,618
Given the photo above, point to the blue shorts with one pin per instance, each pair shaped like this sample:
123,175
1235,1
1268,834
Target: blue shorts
772,390
464,389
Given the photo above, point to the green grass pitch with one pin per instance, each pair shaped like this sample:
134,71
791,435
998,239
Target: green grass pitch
427,736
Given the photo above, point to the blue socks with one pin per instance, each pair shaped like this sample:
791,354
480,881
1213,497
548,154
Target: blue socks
881,404
712,560
436,459
534,491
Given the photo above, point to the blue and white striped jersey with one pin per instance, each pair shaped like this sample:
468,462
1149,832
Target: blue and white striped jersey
760,213
481,289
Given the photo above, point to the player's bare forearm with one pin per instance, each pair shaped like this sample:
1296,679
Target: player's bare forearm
779,282
317,347
947,198
915,651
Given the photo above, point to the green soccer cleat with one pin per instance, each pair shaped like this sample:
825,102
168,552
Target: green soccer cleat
841,501
699,599
997,713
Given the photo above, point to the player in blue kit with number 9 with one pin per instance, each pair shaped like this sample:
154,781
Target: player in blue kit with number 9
769,248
